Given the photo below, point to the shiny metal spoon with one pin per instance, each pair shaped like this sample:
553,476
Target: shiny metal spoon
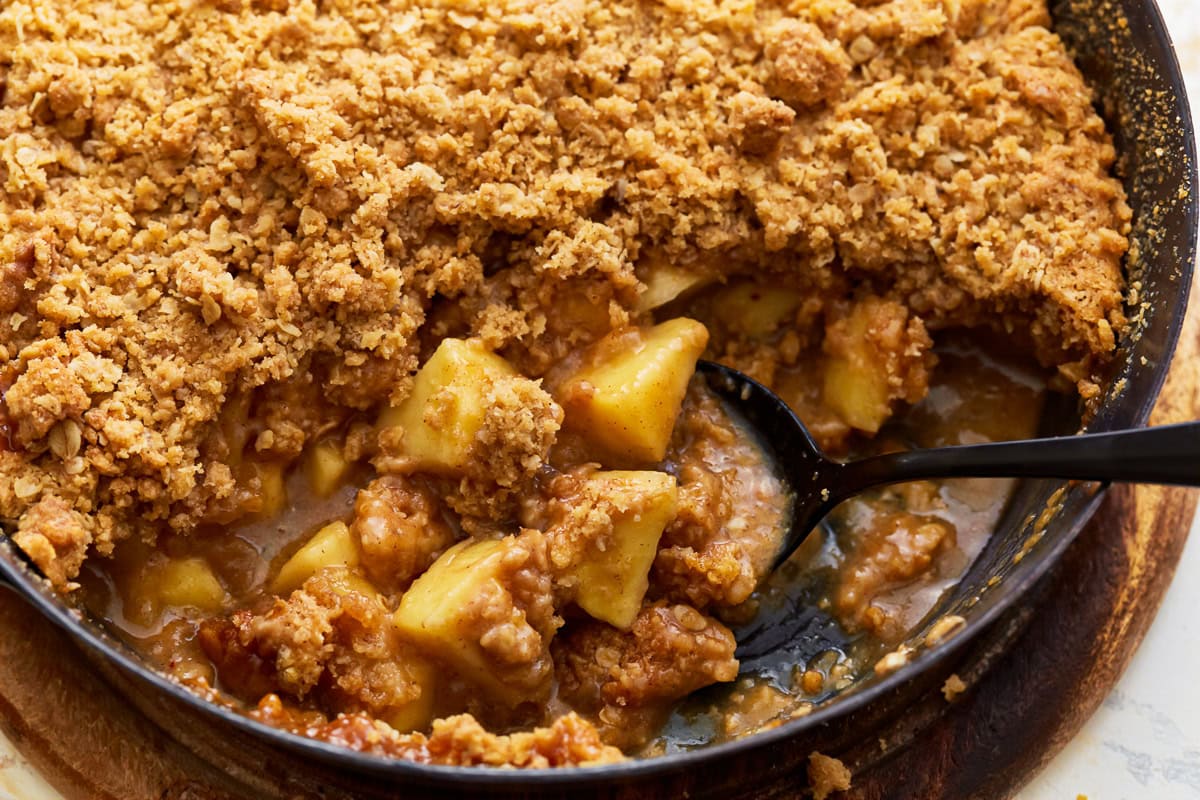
1166,454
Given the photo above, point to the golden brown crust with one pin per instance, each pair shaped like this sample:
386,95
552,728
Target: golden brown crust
805,67
627,680
518,430
953,687
400,529
570,741
56,537
328,638
200,199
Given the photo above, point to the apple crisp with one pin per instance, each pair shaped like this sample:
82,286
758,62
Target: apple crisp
346,347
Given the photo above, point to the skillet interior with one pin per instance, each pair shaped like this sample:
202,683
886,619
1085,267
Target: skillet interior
1123,49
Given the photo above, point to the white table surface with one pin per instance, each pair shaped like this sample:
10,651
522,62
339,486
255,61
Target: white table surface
1143,743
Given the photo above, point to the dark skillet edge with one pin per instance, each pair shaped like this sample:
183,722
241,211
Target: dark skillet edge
1106,419
15,573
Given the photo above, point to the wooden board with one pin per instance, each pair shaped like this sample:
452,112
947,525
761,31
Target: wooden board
1032,685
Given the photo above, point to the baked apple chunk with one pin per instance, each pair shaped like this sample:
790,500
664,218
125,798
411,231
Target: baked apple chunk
485,609
470,415
624,394
332,546
876,354
613,573
447,407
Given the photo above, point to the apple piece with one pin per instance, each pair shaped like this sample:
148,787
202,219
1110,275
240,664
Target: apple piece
172,583
876,354
450,611
665,282
417,713
332,546
857,393
188,583
346,580
270,496
855,383
614,572
626,393
754,310
325,466
447,407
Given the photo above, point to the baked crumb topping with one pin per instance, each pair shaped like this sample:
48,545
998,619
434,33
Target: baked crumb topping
827,775
231,231
205,197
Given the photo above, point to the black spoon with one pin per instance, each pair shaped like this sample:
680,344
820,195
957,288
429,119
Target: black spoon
1166,454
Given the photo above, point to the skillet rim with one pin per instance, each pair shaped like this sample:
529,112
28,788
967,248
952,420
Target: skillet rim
17,573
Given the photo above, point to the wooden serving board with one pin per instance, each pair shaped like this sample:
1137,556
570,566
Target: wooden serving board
1028,694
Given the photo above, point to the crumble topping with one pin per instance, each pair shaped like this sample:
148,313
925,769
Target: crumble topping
201,198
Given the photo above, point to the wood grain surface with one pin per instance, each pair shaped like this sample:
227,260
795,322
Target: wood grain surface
1032,681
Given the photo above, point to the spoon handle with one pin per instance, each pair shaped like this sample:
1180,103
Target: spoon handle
1165,454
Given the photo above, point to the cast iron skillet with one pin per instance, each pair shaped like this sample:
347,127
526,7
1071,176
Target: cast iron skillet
1124,50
